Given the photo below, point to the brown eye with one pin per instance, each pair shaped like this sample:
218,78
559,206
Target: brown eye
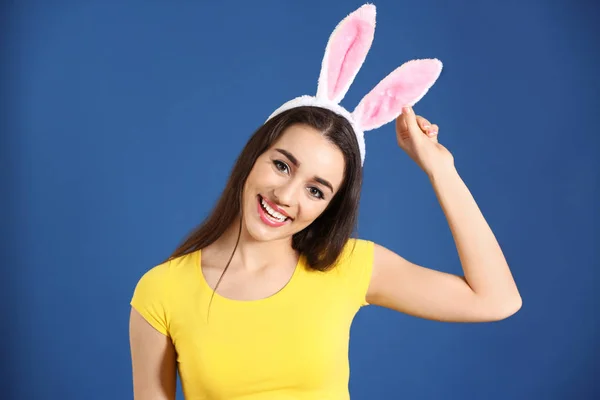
316,193
281,166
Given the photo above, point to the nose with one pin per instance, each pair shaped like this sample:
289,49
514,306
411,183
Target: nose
286,194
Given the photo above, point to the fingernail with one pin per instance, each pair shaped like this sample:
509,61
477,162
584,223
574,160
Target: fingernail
406,110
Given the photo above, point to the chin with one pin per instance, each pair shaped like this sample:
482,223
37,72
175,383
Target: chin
261,233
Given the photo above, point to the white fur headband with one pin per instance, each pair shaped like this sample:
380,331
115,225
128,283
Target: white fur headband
345,53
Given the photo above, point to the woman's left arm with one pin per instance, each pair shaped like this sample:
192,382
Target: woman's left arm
487,291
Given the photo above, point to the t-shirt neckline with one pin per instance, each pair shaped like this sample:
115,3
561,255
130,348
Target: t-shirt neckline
197,260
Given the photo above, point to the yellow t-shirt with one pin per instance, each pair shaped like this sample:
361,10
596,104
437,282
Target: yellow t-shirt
291,345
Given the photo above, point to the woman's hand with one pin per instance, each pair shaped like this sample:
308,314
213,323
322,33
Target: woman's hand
419,139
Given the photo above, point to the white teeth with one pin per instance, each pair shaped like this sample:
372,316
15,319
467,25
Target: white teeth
278,216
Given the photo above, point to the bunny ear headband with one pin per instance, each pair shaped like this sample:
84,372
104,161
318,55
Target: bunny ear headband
346,51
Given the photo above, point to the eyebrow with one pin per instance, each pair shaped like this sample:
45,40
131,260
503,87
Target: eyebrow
296,163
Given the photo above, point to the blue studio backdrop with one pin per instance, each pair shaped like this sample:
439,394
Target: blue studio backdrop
121,121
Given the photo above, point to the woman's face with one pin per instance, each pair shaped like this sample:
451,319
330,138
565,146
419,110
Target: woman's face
291,184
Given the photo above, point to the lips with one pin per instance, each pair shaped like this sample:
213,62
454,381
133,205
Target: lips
266,218
275,207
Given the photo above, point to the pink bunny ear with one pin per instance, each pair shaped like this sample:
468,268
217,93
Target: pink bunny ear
403,87
346,51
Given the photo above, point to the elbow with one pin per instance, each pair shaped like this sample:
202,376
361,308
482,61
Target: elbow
499,307
507,308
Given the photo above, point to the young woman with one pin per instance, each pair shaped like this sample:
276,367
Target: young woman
258,301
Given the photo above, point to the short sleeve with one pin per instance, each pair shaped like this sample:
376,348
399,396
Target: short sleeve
358,268
151,297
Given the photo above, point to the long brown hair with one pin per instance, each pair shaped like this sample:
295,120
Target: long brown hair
322,242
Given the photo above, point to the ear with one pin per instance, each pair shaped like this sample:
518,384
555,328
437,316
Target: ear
403,87
346,51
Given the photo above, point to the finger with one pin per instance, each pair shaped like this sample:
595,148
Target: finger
433,133
411,119
433,130
424,124
402,128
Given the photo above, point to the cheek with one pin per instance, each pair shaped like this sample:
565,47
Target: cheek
261,174
312,209
255,177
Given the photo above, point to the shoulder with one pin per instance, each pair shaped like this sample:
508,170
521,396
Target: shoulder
155,280
356,258
357,251
160,278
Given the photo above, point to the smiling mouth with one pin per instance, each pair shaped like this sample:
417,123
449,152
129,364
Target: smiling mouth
270,213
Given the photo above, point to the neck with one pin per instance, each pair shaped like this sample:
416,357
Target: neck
251,255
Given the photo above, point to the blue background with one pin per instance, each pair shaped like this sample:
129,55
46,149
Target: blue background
121,120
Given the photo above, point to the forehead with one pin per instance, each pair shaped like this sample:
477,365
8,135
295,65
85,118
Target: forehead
315,153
